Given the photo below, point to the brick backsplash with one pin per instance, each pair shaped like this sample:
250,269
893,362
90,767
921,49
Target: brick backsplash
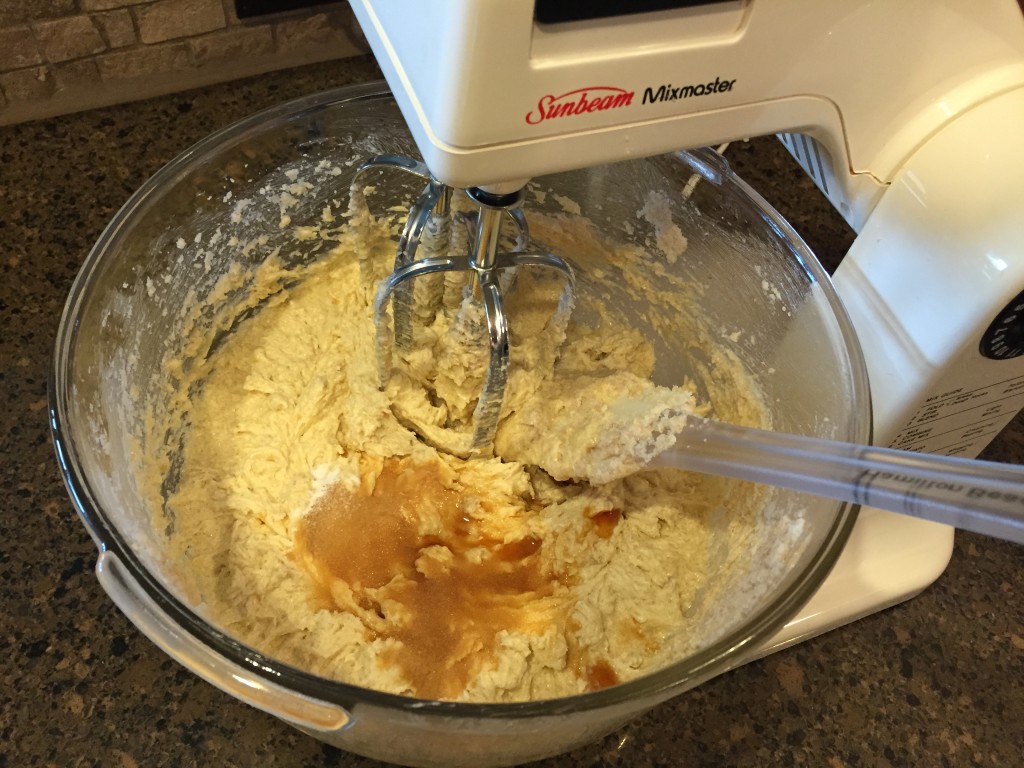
59,56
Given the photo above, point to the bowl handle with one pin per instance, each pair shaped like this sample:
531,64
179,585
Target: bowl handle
302,711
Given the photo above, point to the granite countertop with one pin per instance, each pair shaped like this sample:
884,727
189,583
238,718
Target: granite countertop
935,681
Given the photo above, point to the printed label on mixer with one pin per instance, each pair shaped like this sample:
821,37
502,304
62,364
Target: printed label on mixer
596,98
962,420
667,92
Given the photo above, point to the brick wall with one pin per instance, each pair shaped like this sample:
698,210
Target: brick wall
59,56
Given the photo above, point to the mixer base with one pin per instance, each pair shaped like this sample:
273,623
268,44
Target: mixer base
888,559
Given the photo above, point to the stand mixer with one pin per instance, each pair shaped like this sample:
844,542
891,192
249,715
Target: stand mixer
906,115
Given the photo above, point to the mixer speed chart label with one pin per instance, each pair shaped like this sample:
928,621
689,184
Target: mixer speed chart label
961,421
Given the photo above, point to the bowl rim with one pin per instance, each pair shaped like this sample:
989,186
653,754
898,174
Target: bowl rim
728,652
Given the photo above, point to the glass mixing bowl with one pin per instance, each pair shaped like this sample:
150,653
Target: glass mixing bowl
745,282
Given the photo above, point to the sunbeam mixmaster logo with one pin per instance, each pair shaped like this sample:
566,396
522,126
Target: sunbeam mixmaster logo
600,98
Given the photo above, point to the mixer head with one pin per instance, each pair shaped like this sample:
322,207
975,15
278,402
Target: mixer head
429,245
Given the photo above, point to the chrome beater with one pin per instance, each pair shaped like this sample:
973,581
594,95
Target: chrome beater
428,231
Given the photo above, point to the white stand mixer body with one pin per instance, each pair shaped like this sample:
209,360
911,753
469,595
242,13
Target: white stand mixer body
907,115
493,96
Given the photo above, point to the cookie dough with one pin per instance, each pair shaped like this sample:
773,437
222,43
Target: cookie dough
311,523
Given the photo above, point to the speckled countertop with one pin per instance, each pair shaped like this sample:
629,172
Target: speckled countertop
936,681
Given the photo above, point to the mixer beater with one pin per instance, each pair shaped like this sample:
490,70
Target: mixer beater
428,246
